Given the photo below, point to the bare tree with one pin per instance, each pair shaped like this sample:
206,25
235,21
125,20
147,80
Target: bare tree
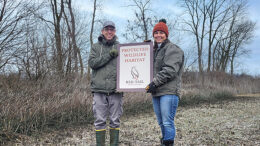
32,60
139,28
197,12
243,34
237,32
55,50
71,25
57,11
91,32
218,16
67,35
93,22
12,14
212,23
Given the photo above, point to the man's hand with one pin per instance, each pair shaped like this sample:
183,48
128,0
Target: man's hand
150,88
113,53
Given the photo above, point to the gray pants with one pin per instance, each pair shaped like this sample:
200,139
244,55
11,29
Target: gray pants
107,105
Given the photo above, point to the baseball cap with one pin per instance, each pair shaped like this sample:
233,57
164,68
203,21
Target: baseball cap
109,23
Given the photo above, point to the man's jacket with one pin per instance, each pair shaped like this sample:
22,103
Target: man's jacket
103,77
168,67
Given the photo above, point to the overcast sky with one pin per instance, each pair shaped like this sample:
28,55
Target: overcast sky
117,11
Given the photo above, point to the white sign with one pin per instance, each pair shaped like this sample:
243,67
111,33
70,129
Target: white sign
134,66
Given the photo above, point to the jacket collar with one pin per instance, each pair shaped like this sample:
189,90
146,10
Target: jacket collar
105,42
162,45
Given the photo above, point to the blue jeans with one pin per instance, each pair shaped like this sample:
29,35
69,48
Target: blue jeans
165,109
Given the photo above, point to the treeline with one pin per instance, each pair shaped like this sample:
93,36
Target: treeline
53,37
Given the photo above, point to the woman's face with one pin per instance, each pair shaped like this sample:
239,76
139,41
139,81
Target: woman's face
159,36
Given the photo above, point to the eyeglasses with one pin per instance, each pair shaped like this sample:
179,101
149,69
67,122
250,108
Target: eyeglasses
109,29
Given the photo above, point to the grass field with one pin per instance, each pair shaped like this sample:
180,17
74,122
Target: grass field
55,111
233,121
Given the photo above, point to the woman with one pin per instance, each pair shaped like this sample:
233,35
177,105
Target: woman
166,84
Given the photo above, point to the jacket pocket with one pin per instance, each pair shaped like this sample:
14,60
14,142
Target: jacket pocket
158,63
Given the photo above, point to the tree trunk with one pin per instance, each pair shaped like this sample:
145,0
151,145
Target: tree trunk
73,37
91,35
57,19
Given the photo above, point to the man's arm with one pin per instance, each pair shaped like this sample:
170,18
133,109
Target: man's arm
96,59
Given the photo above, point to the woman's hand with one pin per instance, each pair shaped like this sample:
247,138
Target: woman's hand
150,88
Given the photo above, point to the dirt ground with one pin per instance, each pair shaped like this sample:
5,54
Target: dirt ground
229,122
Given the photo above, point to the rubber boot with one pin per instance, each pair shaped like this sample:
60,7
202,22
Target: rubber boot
100,137
168,142
114,136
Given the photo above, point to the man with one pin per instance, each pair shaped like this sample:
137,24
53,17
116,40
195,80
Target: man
106,102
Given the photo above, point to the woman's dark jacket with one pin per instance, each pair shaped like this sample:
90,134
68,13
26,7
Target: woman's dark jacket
168,67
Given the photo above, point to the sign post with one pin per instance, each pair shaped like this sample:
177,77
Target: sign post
134,66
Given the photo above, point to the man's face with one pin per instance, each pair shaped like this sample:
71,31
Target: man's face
109,32
159,36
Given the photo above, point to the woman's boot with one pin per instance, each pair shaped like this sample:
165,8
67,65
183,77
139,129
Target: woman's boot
161,142
168,142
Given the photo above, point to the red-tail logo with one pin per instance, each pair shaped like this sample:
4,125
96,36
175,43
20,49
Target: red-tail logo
134,73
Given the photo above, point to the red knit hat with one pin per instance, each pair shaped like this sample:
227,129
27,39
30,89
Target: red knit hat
162,27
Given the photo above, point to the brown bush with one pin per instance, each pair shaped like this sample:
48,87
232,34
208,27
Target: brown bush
31,107
237,84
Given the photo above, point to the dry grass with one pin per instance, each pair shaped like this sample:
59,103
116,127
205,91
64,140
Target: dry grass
34,107
227,122
249,95
45,107
238,84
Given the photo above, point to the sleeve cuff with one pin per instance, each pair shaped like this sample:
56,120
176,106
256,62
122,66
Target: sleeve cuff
155,82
